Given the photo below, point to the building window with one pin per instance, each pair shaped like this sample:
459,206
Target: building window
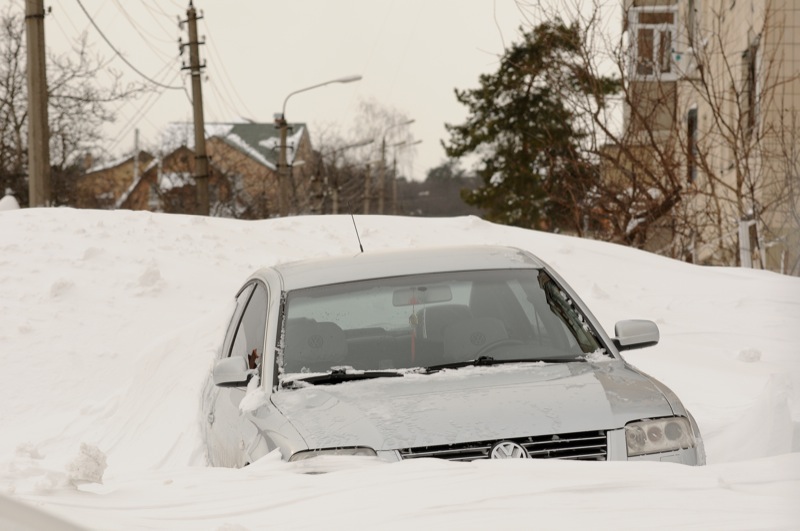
691,146
652,31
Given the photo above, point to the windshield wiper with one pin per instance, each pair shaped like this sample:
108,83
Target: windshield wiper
341,375
488,360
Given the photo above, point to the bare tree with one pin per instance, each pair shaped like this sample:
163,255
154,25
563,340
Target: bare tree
13,105
78,108
350,163
747,156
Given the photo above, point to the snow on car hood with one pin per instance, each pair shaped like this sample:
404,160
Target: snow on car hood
472,404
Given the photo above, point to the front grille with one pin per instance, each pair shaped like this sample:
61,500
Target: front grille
586,446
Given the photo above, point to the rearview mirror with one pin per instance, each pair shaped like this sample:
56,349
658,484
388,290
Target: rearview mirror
231,372
635,333
421,295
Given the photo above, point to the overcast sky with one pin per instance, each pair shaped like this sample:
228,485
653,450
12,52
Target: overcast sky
411,54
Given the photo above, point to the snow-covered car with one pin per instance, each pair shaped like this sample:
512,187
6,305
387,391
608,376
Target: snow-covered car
457,353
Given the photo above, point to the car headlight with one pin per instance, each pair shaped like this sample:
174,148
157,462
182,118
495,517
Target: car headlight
659,435
354,450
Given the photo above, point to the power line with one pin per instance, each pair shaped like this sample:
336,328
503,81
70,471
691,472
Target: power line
215,105
177,5
66,36
65,12
222,101
154,82
157,21
145,35
139,114
226,77
153,15
160,10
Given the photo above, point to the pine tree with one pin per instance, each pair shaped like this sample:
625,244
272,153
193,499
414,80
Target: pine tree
522,127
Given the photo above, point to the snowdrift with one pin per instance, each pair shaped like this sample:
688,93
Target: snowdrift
109,322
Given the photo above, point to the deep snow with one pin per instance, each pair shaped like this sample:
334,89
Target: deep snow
109,322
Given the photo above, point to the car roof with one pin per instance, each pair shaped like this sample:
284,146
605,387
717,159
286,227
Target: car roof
383,264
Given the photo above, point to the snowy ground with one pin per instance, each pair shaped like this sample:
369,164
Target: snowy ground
109,321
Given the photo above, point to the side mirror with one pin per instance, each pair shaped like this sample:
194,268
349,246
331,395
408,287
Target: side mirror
635,333
231,372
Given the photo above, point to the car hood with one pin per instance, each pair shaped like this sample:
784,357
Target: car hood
472,404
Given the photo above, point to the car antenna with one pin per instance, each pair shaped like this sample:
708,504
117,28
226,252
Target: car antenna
355,227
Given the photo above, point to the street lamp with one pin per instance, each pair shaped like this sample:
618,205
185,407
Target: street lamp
280,122
399,145
382,181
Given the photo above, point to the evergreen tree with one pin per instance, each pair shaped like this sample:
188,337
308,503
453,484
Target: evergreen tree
447,171
521,125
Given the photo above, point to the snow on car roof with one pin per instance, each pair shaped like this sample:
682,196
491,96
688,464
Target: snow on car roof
377,264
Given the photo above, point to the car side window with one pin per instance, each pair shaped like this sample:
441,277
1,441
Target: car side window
236,317
249,339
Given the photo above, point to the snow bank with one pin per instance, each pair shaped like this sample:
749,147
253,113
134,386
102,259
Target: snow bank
110,321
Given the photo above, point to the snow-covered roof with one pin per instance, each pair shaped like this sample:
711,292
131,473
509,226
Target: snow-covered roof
240,144
109,164
117,162
259,141
262,141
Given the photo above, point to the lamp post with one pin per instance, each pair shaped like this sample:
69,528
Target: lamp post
280,122
382,178
397,146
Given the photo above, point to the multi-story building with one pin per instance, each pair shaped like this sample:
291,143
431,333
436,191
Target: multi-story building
716,83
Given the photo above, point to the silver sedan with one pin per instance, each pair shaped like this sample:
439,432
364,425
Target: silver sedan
457,353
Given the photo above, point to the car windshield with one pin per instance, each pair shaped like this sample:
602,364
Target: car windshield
433,320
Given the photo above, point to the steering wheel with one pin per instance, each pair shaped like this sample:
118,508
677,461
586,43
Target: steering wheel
497,344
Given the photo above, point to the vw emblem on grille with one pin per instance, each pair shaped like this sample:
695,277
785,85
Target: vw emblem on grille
508,450
477,339
315,341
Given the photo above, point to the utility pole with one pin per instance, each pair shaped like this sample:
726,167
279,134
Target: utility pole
394,185
382,177
39,188
283,167
334,189
135,155
397,146
335,196
367,189
200,157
